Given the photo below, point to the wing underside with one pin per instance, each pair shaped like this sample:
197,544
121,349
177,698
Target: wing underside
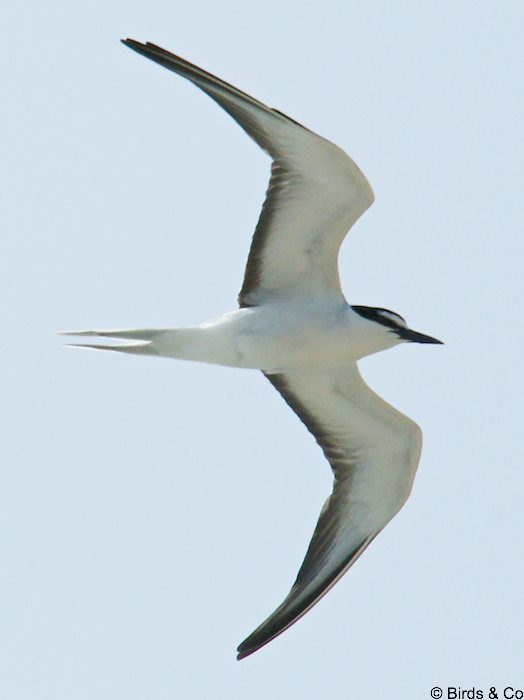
373,451
315,194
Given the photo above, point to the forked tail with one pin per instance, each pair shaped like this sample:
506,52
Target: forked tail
137,341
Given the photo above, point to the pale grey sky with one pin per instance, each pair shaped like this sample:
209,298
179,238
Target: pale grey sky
152,513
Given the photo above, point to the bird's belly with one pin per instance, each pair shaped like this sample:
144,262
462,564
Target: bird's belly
285,351
295,344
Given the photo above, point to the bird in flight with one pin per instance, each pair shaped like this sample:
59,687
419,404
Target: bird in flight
294,324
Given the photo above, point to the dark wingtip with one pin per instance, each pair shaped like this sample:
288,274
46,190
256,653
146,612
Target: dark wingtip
133,44
130,42
261,636
244,650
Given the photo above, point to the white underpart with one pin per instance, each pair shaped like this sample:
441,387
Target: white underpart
272,338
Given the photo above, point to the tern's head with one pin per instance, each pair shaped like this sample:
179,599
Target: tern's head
394,324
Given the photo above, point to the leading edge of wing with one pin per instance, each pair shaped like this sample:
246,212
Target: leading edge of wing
234,101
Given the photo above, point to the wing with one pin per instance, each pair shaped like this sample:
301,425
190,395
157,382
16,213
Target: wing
374,452
315,194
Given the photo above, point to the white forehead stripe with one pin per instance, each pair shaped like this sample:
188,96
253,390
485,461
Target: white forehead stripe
393,317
